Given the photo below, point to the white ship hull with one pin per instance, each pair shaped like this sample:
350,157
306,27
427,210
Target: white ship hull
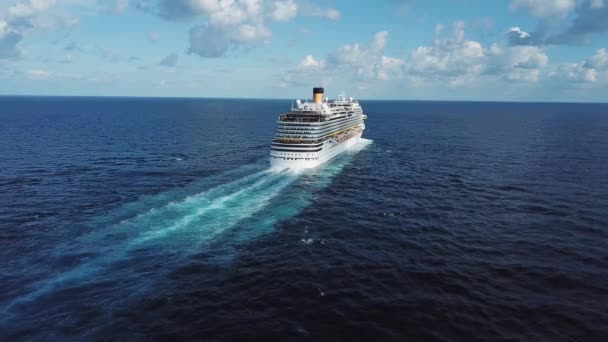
329,151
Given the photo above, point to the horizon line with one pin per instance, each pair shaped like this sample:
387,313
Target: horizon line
293,99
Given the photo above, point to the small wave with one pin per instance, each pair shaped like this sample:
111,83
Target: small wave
510,188
310,241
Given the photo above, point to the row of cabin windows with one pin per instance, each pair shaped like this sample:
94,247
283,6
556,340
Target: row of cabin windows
309,136
320,128
292,154
285,158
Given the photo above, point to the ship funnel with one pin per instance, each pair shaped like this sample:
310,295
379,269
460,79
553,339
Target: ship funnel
317,94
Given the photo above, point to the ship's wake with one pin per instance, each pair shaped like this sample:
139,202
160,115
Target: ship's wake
130,250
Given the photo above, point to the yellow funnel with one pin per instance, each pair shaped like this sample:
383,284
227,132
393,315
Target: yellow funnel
317,94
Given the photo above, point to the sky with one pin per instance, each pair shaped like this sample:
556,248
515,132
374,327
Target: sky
488,50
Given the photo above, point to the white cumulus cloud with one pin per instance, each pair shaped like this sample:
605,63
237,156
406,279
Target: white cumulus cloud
379,40
230,26
29,8
3,28
594,69
451,60
311,9
517,36
597,4
598,61
454,55
544,8
388,68
363,62
456,61
284,10
575,72
519,33
18,18
310,63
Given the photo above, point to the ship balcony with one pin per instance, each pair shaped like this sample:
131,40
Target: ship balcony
299,141
301,117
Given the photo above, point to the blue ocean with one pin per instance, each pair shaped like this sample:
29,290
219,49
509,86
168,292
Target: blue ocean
158,219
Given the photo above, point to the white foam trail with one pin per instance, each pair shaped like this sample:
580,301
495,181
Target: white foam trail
292,200
176,215
242,209
207,214
151,203
220,207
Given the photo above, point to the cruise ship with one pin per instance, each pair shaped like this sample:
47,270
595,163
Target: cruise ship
315,132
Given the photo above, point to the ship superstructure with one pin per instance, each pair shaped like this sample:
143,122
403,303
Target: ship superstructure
315,132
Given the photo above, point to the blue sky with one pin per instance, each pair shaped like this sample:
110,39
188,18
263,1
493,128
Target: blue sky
522,50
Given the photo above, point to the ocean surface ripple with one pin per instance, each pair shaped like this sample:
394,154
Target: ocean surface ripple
139,219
